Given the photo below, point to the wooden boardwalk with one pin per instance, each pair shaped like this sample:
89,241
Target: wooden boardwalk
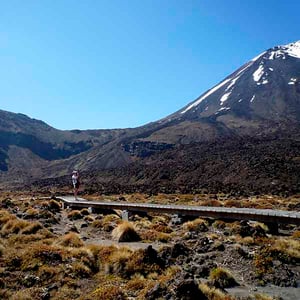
268,216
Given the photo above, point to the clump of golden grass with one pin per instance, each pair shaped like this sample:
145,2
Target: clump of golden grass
54,205
47,254
247,240
153,235
71,239
222,278
108,292
219,224
32,228
296,234
97,224
118,260
161,228
28,294
47,272
74,215
143,262
32,212
89,219
79,270
2,249
233,203
214,294
198,225
136,284
263,297
143,223
286,249
125,232
5,216
13,226
212,202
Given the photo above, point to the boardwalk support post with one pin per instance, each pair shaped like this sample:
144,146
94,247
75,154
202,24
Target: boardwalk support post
125,215
273,227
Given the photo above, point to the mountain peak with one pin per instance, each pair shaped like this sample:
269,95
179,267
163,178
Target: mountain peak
291,49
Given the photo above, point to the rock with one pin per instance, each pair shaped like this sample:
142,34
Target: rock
179,249
188,290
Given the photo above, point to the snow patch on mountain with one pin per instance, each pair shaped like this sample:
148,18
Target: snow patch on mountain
252,99
292,81
206,95
293,49
224,98
257,75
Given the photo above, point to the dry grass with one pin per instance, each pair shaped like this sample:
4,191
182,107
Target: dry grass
214,294
125,232
70,240
108,292
75,215
198,225
263,297
32,212
13,226
222,278
296,234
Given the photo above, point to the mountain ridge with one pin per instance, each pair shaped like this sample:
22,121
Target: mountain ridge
260,100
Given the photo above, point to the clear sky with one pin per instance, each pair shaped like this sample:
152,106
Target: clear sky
123,63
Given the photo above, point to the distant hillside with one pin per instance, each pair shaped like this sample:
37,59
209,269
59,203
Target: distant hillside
227,138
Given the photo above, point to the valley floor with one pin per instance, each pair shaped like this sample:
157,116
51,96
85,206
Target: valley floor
50,253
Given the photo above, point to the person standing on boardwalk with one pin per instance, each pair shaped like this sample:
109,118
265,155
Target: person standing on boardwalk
76,182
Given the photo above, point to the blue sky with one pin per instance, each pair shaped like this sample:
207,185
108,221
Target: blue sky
116,64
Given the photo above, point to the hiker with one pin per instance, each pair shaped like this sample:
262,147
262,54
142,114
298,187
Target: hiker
76,183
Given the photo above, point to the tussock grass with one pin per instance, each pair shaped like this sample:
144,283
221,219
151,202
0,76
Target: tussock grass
214,294
54,205
263,297
97,224
13,226
74,215
32,212
70,240
296,234
222,278
198,225
5,216
287,249
108,292
125,232
32,228
89,219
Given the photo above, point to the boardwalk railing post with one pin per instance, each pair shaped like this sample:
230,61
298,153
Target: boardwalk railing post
125,215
